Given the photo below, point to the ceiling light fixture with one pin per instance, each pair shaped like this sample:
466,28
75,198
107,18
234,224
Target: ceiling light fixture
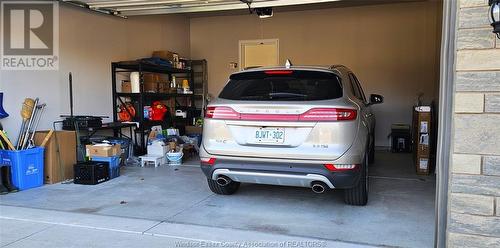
264,12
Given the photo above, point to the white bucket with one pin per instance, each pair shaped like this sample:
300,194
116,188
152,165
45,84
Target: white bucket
174,158
135,82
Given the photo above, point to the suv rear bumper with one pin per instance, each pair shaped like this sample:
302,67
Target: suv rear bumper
273,173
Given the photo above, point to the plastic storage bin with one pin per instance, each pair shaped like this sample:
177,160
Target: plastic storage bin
27,167
114,165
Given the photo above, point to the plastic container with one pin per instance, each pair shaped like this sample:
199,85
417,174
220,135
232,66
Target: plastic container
158,148
135,82
174,158
27,167
113,162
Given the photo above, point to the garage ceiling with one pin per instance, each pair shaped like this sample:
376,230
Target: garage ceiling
150,7
145,7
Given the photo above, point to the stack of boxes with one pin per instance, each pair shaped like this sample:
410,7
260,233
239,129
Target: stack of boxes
106,153
422,128
155,83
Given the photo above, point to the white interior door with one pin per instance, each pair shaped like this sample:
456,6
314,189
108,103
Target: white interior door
257,53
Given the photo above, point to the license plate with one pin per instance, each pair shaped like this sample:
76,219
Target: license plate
269,136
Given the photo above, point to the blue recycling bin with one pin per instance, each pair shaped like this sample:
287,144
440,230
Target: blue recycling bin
27,166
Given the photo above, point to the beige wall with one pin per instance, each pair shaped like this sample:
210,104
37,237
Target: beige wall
392,48
89,42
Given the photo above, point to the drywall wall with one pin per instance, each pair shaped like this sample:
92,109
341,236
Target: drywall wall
89,42
392,48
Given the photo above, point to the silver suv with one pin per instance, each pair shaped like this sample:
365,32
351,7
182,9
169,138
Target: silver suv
293,126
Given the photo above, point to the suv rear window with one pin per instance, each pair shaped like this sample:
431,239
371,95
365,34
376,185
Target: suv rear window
282,85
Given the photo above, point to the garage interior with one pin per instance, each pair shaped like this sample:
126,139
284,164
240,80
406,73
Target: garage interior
393,47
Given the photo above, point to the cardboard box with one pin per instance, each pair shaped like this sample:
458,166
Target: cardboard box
154,88
194,130
152,78
423,142
424,120
151,87
53,171
423,165
164,87
126,87
155,83
103,150
168,55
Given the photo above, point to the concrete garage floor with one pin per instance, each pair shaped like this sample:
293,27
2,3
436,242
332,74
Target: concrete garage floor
166,204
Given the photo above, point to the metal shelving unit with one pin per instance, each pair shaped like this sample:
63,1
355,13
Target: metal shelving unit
146,98
200,84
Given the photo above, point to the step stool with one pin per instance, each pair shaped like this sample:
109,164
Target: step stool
156,159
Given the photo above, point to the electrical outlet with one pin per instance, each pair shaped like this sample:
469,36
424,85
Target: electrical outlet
233,65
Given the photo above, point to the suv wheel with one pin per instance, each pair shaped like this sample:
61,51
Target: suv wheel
229,189
358,195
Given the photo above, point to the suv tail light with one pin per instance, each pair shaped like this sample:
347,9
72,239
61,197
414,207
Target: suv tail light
340,167
315,114
279,72
220,112
207,161
329,114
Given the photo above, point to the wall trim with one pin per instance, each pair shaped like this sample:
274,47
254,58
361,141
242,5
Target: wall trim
445,119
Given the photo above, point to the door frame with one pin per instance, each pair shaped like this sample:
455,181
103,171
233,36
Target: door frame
445,120
258,41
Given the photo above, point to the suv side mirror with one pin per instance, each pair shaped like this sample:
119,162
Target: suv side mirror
376,99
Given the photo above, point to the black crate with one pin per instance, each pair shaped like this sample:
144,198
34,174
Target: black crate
91,172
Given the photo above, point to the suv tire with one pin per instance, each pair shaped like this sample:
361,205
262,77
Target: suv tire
358,195
229,189
371,155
